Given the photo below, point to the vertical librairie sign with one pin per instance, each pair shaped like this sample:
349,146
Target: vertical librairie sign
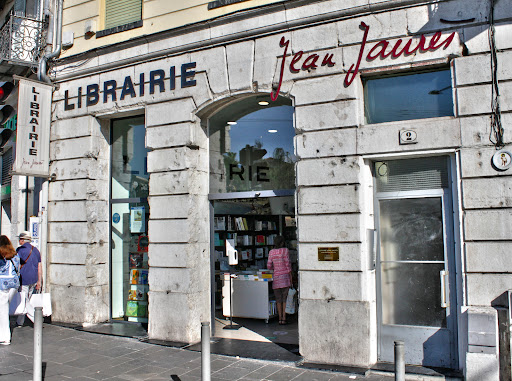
35,225
33,131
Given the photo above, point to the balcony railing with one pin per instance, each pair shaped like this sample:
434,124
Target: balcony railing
22,40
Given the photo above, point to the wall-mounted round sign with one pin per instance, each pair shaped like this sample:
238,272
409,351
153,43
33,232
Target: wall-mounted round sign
116,218
502,160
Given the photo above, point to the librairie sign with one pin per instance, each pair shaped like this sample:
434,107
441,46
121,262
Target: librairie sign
33,130
380,50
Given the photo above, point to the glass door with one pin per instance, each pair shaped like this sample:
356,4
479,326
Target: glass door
415,277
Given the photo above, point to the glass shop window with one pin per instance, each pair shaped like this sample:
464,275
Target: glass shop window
406,97
251,146
129,221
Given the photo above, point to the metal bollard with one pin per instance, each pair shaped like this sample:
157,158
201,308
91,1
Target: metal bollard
205,351
399,361
38,344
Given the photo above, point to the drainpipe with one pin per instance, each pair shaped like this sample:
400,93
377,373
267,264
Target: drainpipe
57,31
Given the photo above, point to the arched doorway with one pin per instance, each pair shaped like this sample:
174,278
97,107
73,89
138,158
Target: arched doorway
252,195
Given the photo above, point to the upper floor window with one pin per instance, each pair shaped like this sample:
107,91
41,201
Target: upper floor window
122,12
411,96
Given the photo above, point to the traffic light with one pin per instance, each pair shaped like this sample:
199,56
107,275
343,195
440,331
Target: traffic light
6,111
5,135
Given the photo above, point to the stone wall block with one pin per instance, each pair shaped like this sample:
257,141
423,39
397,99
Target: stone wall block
476,39
67,211
117,55
476,162
78,232
340,142
74,128
174,159
483,289
180,280
383,25
240,57
488,225
323,89
328,171
350,257
348,324
86,147
78,254
329,286
314,38
503,30
475,131
472,69
333,199
182,40
266,62
431,133
487,193
474,100
179,231
213,61
318,8
68,275
327,115
178,255
180,110
330,228
222,29
177,206
70,306
488,257
84,168
170,323
168,183
174,135
428,18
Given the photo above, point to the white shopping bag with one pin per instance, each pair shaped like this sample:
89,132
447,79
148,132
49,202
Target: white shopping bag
42,300
291,301
18,305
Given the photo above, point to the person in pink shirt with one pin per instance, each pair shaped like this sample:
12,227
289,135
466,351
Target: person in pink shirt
279,261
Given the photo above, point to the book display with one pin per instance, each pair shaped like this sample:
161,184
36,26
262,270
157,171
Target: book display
137,301
252,237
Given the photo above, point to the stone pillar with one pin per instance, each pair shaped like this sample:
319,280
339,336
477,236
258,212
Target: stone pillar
78,221
179,256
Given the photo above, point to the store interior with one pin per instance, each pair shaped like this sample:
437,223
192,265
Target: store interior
245,308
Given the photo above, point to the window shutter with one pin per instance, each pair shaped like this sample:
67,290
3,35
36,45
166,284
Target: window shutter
412,174
122,12
7,159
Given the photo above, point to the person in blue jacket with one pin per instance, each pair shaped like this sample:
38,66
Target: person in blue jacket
9,284
31,269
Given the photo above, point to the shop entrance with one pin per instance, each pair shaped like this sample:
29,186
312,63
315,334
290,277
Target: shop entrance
415,267
252,194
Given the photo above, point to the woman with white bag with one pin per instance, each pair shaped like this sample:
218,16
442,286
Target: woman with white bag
9,284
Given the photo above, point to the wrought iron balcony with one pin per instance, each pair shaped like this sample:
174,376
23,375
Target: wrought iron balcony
22,40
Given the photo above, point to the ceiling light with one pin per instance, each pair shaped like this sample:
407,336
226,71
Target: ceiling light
232,123
263,103
272,131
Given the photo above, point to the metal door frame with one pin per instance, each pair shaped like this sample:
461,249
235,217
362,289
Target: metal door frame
449,259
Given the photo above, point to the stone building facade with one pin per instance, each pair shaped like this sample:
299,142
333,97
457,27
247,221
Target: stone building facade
321,57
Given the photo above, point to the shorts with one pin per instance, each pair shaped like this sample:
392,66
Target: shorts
281,294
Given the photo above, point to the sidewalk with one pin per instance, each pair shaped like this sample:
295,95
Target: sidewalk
69,354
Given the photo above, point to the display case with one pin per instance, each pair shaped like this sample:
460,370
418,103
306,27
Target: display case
251,296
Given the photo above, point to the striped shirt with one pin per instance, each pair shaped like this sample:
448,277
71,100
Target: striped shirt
279,261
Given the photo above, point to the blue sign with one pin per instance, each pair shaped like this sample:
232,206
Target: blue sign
116,218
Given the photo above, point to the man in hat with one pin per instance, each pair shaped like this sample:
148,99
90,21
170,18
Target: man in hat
31,269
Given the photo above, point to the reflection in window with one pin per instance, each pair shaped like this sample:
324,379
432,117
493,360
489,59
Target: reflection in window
405,97
251,148
129,159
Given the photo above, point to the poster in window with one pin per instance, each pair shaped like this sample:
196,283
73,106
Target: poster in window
137,219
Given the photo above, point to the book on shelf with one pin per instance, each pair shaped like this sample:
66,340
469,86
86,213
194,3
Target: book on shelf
136,260
258,225
219,223
136,308
260,253
138,276
289,221
217,241
260,239
137,292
